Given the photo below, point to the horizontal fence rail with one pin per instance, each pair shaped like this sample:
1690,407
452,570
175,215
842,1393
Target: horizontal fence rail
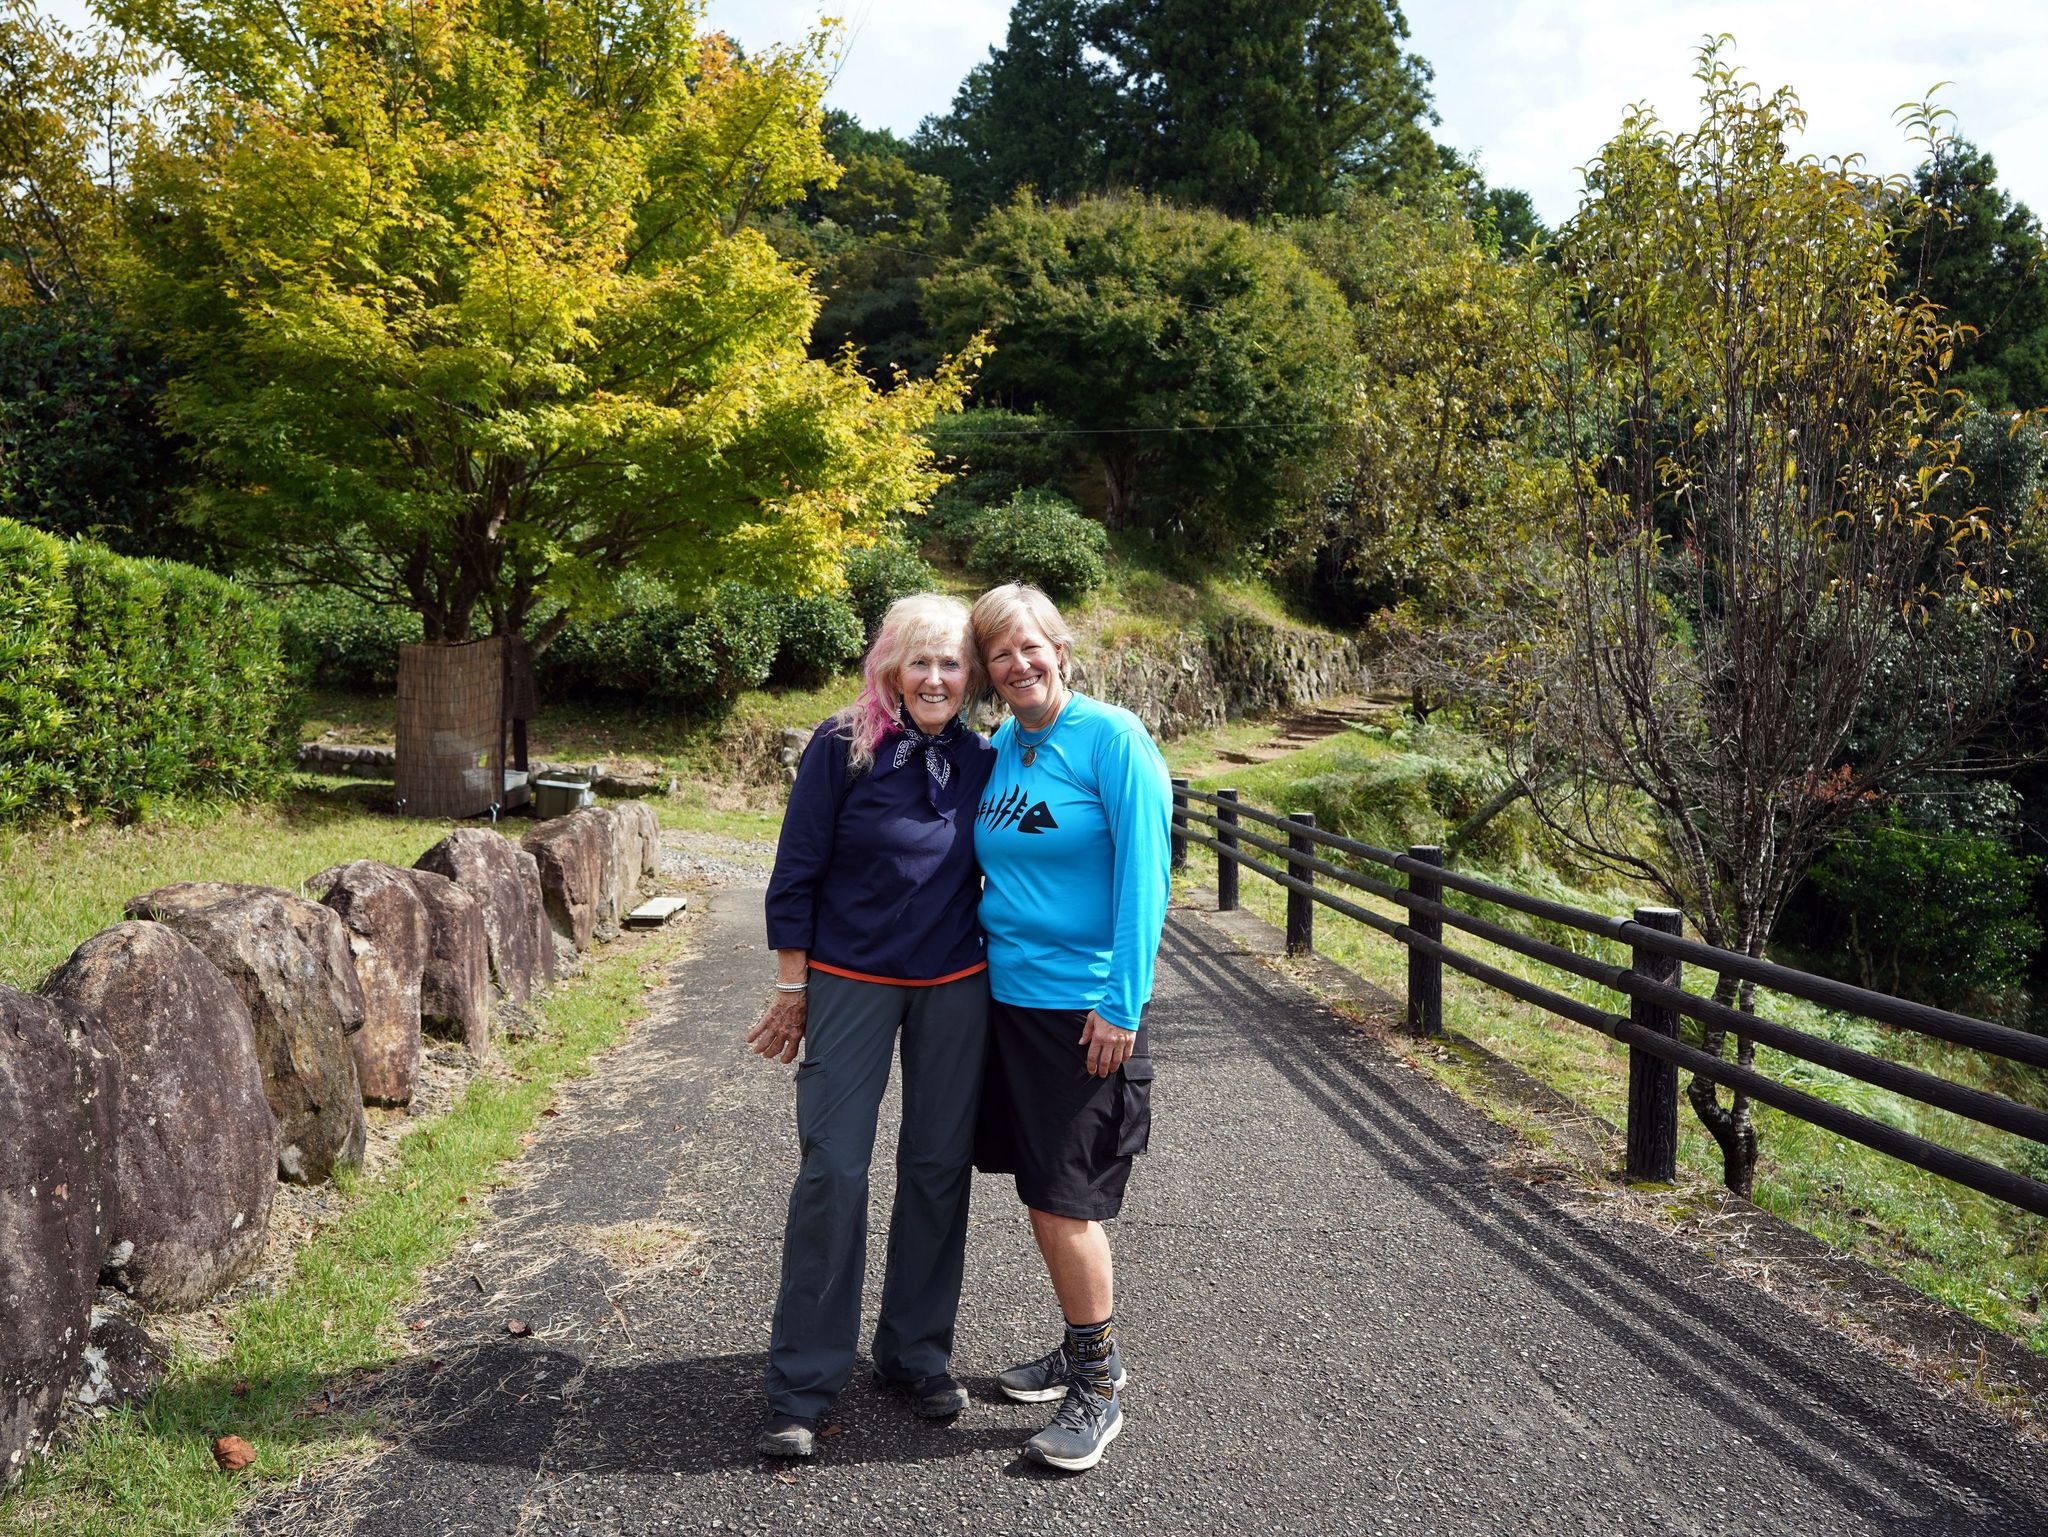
1301,852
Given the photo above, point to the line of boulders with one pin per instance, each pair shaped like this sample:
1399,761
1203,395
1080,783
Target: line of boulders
223,1037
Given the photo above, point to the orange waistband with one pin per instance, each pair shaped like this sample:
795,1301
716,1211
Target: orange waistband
862,976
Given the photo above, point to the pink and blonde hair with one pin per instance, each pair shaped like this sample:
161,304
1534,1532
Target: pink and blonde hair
922,620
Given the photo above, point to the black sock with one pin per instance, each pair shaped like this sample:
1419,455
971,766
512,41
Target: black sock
1088,1348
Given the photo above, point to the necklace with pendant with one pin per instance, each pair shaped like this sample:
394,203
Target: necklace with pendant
1031,747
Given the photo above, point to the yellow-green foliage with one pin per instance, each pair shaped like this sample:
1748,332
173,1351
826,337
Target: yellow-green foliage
125,680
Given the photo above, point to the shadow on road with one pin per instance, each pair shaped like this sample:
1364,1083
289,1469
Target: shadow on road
1725,1362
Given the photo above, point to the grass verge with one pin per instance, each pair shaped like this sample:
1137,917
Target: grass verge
1969,1251
59,885
149,1472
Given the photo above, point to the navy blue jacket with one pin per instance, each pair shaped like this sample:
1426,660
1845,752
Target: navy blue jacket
871,877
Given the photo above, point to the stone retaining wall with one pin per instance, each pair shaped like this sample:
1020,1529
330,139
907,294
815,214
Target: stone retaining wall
1205,675
225,1036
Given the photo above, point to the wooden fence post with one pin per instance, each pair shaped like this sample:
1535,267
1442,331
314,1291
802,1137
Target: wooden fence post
1301,907
1425,972
1226,866
1180,824
1653,1082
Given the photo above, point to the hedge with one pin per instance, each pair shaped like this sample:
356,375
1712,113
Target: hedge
122,680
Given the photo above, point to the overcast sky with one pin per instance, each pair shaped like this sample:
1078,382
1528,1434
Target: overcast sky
1535,87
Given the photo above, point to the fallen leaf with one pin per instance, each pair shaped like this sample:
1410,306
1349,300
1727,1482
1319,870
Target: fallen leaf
833,1430
232,1454
518,1328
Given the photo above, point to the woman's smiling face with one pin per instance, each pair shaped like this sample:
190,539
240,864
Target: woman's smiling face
934,682
1024,668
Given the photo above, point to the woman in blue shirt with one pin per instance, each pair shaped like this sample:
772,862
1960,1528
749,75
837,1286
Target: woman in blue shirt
871,914
1072,837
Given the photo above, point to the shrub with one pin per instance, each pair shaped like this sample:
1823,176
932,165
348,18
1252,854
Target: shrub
816,638
1043,538
994,454
880,574
1937,916
726,648
696,660
337,640
122,680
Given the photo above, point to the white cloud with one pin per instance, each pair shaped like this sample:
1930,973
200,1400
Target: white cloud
1537,86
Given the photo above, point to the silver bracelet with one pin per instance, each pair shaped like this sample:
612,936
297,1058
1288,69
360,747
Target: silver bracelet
791,987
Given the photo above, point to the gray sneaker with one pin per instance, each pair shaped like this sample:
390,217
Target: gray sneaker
1043,1380
1085,1424
787,1435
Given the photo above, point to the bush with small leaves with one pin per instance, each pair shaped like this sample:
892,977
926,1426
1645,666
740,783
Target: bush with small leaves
335,639
817,638
880,574
1042,538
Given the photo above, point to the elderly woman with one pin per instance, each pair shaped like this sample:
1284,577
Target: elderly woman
1072,839
871,914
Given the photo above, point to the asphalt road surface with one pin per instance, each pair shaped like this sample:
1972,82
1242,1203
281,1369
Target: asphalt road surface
1338,1315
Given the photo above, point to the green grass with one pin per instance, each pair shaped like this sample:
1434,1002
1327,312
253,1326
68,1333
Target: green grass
60,885
1972,1252
150,1470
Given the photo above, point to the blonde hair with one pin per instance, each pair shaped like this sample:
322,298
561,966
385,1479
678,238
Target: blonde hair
912,624
1001,609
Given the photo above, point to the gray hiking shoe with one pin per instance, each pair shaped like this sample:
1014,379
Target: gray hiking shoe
787,1435
1043,1380
936,1397
1085,1424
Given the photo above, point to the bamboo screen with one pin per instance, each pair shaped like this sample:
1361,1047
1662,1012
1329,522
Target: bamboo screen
451,728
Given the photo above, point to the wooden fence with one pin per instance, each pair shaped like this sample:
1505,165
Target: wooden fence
1650,982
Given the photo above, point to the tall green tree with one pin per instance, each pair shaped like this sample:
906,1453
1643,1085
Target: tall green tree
870,239
1040,111
1983,258
81,448
1443,455
1248,106
1204,364
1269,106
470,315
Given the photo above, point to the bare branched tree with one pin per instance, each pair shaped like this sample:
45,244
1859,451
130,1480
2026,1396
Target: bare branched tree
1759,543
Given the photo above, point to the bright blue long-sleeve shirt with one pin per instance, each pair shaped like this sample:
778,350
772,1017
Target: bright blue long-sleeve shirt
1073,850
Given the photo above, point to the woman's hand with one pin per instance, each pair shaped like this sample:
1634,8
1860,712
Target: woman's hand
1109,1046
780,1034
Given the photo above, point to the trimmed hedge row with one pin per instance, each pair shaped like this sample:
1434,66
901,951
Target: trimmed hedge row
122,680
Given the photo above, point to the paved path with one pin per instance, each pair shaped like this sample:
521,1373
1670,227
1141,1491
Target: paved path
1337,1318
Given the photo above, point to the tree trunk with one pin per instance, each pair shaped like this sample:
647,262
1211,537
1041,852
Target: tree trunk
1731,1125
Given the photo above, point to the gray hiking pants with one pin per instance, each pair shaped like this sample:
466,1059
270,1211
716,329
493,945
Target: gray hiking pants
850,1033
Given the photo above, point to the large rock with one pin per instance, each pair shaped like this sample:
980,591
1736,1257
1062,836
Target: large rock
615,879
571,852
193,1163
455,986
59,1096
505,881
288,959
640,816
389,940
